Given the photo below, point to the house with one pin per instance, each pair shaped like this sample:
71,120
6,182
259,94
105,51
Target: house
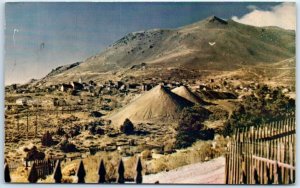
24,101
204,87
77,86
146,87
92,83
285,90
66,87
54,87
133,86
123,88
85,86
118,84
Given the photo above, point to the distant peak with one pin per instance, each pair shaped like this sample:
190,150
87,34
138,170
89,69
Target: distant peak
215,19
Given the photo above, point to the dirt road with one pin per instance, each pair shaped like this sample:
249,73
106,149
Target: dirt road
211,172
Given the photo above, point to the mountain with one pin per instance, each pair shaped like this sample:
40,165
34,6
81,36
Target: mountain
211,44
157,104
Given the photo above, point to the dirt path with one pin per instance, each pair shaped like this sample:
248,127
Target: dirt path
211,172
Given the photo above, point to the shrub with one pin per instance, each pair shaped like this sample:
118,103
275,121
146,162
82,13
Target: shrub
75,130
96,114
218,113
169,147
265,106
158,165
146,154
47,139
34,154
67,180
60,131
190,125
100,131
127,127
197,153
67,147
130,165
96,130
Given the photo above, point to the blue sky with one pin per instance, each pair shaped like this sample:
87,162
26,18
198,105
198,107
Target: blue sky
48,35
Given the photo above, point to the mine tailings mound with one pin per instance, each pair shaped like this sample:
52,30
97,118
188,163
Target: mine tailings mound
158,104
186,93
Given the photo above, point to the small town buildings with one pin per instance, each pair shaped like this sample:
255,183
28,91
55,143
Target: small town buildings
77,86
24,101
66,87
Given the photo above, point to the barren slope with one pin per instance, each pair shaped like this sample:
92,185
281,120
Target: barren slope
211,44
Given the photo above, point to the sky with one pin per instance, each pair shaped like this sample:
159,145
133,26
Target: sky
42,36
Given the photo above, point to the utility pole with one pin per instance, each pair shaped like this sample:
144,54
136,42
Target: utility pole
18,125
27,122
36,121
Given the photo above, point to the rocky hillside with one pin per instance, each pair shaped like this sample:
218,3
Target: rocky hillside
212,44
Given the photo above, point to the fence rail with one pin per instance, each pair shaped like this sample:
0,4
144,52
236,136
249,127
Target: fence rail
263,154
282,130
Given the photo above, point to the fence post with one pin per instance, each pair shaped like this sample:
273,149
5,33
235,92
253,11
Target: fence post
256,176
57,175
121,171
18,124
33,174
49,166
270,178
291,161
226,168
139,168
81,173
6,173
242,173
102,172
279,174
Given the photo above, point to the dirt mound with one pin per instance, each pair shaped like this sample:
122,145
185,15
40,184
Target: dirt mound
157,104
184,92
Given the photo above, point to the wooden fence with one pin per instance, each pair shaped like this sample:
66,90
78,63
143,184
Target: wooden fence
41,169
262,154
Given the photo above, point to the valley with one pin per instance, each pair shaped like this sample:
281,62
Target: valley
168,96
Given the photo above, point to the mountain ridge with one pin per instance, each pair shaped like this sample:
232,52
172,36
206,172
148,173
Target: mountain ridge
212,43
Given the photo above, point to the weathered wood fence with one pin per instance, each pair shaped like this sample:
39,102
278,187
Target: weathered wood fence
41,169
263,154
